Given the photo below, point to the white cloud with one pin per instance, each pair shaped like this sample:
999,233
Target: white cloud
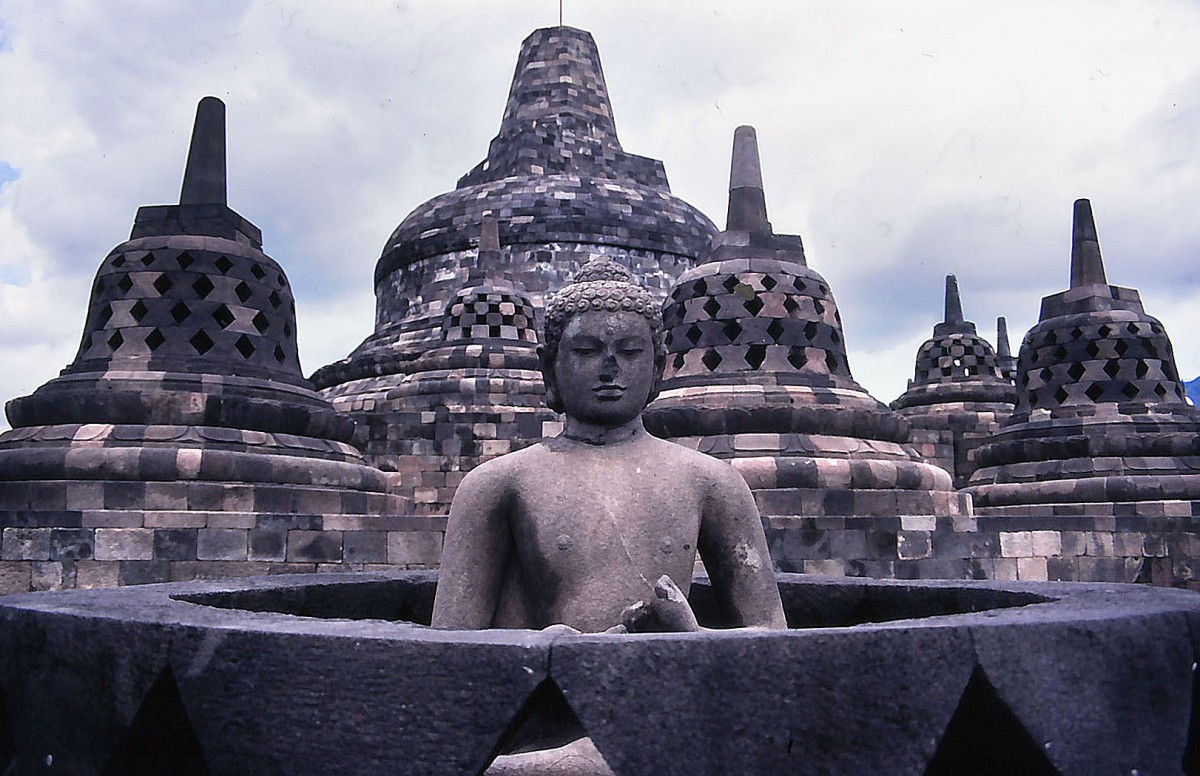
903,141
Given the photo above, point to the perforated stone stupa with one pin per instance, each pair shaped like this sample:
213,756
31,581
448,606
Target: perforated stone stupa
958,396
562,190
1101,425
473,395
757,374
183,439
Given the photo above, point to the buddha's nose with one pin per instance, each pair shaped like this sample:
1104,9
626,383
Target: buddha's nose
608,366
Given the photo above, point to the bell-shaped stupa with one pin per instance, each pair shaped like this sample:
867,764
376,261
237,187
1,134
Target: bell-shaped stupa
184,433
757,374
958,396
562,191
1101,425
475,394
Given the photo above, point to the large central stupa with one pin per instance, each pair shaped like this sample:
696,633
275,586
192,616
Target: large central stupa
562,191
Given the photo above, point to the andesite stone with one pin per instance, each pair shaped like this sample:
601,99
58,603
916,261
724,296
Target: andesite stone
1101,421
185,409
562,191
757,374
958,396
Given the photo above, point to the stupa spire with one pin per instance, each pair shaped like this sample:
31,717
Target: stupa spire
204,176
1002,348
489,234
954,313
559,119
558,75
747,201
1087,268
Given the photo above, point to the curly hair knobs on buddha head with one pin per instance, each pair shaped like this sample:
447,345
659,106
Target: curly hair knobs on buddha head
601,285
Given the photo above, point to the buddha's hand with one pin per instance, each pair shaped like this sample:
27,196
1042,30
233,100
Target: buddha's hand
668,612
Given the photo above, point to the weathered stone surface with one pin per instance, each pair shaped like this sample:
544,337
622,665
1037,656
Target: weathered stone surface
1101,424
959,395
184,410
757,374
436,397
299,675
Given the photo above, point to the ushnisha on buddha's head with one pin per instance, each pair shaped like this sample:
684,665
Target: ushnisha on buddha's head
602,354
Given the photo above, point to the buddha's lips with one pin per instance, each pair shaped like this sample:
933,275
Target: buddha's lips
609,390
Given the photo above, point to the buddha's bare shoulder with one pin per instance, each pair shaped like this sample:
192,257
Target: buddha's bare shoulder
676,455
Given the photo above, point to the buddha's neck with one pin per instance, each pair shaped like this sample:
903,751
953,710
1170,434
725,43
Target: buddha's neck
593,434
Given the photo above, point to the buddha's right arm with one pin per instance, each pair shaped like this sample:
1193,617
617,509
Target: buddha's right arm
474,555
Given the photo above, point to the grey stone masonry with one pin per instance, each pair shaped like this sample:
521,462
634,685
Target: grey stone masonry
184,415
757,375
562,191
1101,421
958,396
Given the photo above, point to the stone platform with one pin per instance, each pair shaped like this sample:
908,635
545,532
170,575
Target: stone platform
319,674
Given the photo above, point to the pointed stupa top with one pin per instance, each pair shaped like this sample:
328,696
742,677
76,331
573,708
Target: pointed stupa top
747,201
1087,268
202,208
748,233
558,75
489,268
1002,347
204,176
954,313
953,320
1090,290
489,235
558,118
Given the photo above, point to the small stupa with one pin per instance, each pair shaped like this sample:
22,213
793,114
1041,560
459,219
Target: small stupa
958,396
183,440
474,395
1101,425
757,374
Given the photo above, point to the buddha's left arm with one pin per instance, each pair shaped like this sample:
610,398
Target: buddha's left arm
734,550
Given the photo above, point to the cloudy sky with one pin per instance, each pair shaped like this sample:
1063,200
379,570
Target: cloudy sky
903,141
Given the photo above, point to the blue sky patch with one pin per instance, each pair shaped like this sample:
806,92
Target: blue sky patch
7,173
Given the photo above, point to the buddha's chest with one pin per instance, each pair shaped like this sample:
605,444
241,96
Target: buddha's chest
567,529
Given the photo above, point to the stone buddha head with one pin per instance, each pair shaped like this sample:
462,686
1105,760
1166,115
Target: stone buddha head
602,356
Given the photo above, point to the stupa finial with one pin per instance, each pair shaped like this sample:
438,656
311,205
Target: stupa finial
489,234
954,313
1002,348
1087,268
204,176
747,201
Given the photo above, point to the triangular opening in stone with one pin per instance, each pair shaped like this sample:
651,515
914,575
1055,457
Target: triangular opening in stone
984,736
1191,754
8,747
160,738
546,720
546,736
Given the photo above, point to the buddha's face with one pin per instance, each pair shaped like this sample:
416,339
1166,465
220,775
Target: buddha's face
605,368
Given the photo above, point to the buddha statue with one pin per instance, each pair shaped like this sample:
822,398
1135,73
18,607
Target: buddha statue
598,529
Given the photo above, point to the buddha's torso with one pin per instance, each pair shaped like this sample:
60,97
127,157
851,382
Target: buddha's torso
594,526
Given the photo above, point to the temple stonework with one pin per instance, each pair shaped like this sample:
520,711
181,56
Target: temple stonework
562,191
184,441
1101,424
958,396
757,374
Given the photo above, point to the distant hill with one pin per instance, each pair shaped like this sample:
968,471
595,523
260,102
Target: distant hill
1192,389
